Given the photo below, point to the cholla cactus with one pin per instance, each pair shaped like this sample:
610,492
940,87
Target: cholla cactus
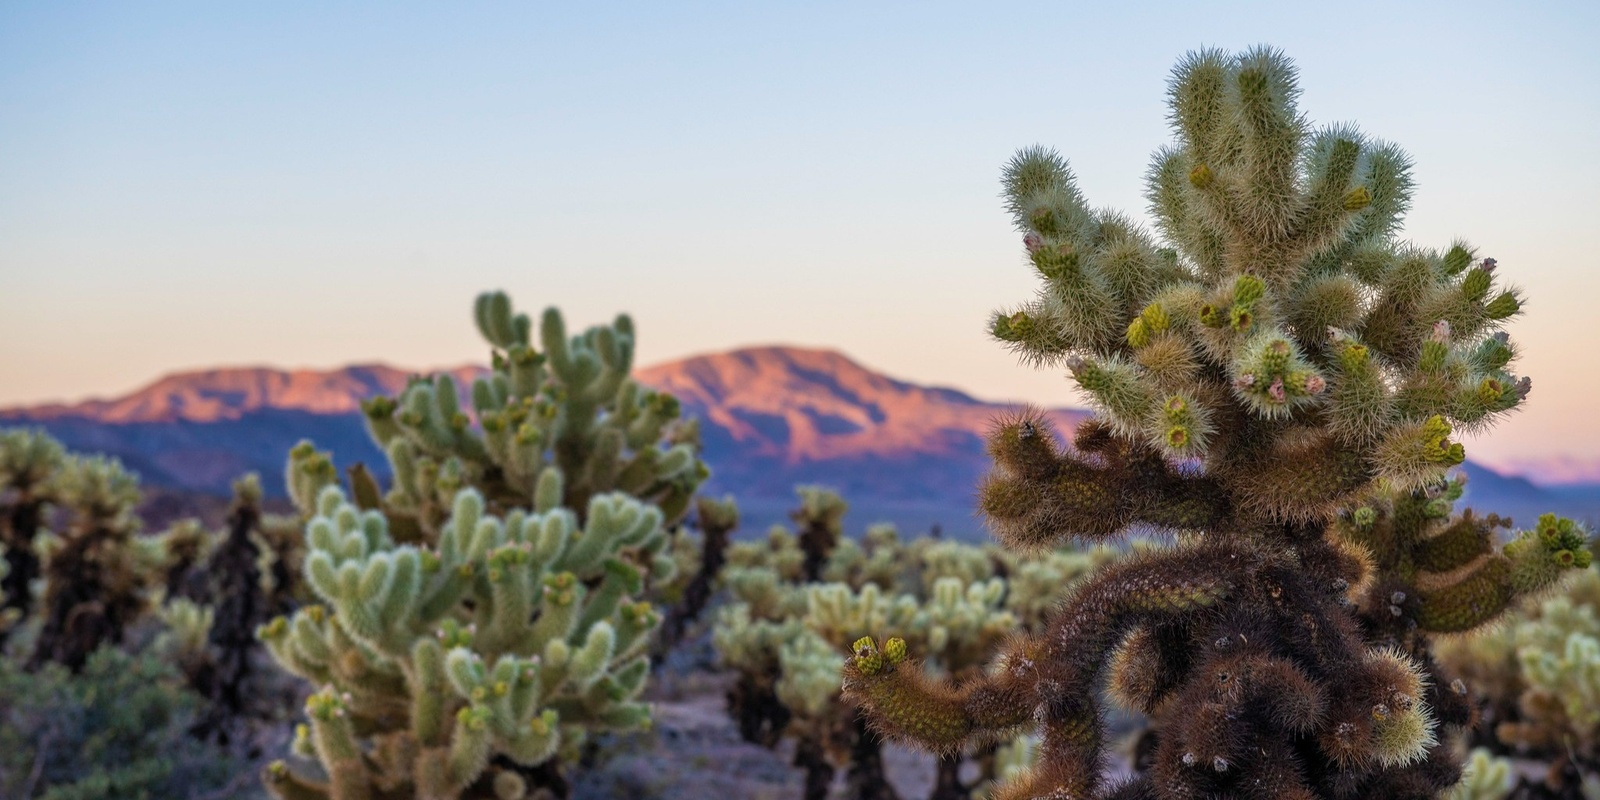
485,615
1434,572
510,637
97,579
1278,358
821,522
8,616
233,579
699,561
185,641
29,460
787,684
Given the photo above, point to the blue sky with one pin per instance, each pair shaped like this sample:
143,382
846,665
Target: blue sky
191,185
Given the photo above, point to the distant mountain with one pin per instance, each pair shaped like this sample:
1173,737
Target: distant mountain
1523,501
1556,470
775,417
771,418
219,395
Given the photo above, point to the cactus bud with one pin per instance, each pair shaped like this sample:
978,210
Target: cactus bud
1502,307
895,649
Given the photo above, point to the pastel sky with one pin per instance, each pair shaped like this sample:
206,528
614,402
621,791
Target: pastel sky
187,185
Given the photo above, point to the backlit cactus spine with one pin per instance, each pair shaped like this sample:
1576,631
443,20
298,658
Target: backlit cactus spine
1278,358
486,614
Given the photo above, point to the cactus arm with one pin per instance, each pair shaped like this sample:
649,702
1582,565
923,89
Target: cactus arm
284,784
903,703
1533,562
1039,495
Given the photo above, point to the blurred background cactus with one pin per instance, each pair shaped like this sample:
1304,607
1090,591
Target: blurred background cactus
220,586
97,576
786,635
1275,358
29,460
1538,679
484,616
699,562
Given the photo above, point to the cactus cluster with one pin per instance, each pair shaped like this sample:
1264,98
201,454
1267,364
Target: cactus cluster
558,401
220,586
101,574
1539,678
1276,358
485,615
796,608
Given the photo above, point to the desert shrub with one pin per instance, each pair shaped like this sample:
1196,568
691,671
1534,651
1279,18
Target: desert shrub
116,730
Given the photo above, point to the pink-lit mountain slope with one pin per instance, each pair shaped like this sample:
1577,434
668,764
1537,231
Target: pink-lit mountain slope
217,395
771,418
796,405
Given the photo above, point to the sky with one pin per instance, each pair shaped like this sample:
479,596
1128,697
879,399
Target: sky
189,185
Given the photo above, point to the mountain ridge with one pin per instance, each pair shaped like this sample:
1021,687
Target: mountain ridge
772,417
